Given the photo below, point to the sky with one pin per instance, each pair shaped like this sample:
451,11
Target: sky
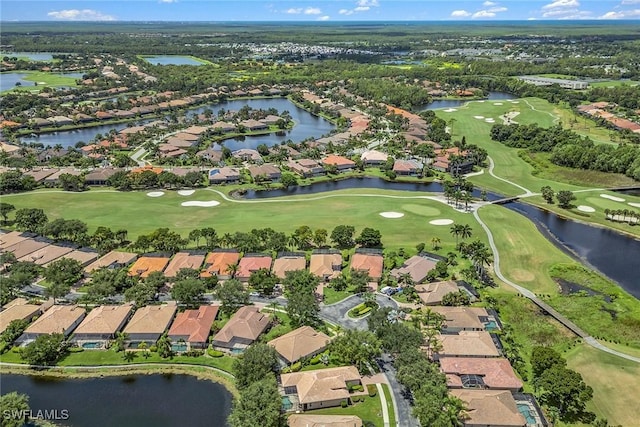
316,10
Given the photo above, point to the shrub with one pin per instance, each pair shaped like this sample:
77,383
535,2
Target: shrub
315,360
3,347
285,370
16,350
153,349
296,367
76,349
193,353
215,353
372,389
344,404
358,388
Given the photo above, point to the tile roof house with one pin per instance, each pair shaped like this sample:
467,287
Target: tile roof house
340,162
84,256
194,326
432,293
299,343
270,172
19,309
217,263
371,263
183,260
100,176
13,237
61,319
286,263
373,157
322,388
46,254
490,408
150,322
468,344
406,167
417,267
314,420
250,263
305,167
493,373
247,155
244,327
462,318
326,266
146,265
224,175
113,259
102,323
27,246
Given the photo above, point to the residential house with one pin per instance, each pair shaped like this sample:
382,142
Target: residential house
406,167
321,388
113,259
432,293
27,246
59,319
493,373
341,163
306,167
84,256
214,156
19,309
267,171
370,263
373,158
291,262
224,175
46,254
417,267
183,260
244,327
250,263
194,326
468,344
458,319
223,127
490,408
217,263
13,237
300,343
146,265
101,325
326,265
54,179
150,322
254,125
314,420
39,175
247,155
100,176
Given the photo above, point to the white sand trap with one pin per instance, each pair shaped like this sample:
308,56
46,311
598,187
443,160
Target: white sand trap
635,205
186,192
208,204
156,194
480,101
497,103
583,208
614,198
441,222
478,117
515,102
489,120
450,110
391,214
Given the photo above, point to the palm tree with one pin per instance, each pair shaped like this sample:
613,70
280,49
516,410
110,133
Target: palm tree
129,356
606,213
435,243
232,269
456,230
121,338
467,198
466,231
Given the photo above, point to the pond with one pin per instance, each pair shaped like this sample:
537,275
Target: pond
9,80
171,60
127,401
34,56
454,103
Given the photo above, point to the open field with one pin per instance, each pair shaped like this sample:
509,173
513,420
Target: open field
44,79
140,214
614,381
614,83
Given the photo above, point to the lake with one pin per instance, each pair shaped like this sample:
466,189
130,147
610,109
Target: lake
171,60
454,103
9,80
127,401
34,56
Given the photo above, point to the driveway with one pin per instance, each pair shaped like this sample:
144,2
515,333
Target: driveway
402,404
337,313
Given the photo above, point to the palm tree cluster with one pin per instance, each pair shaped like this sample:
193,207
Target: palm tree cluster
458,191
622,215
479,254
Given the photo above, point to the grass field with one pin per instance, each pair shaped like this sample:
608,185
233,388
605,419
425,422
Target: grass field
44,79
614,381
369,411
140,214
614,83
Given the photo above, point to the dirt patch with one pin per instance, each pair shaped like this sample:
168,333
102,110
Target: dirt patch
520,275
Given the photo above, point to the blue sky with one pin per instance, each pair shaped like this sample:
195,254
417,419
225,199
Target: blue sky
318,10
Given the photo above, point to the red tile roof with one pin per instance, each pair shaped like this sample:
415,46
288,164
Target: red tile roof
195,323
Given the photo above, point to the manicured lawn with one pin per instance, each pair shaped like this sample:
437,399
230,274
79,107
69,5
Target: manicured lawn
392,414
45,79
614,83
140,214
614,381
332,296
369,411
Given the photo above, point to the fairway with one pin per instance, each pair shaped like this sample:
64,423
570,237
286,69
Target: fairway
141,214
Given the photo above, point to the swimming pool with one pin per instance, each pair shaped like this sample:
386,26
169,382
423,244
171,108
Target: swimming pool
91,345
286,403
528,413
179,347
491,325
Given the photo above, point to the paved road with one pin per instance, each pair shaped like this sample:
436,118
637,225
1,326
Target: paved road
401,404
337,313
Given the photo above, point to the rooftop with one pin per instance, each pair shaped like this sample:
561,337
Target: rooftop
195,323
321,384
496,373
325,264
105,319
151,319
18,309
246,323
417,267
299,343
462,317
57,319
218,263
432,293
468,343
146,265
251,263
490,407
111,258
183,260
288,263
372,263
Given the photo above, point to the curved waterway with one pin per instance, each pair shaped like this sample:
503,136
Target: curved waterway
608,251
454,103
127,401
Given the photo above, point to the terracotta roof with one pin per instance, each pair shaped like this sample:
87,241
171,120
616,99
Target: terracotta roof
288,263
496,373
314,420
105,319
183,260
417,267
299,343
146,265
325,265
462,317
468,343
405,166
18,309
374,156
490,407
432,293
249,264
196,324
321,384
58,319
338,161
151,319
218,262
247,323
371,263
266,169
46,254
111,258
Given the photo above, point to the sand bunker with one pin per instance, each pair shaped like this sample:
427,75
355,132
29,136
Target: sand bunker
391,214
635,205
489,120
450,110
515,102
156,194
441,222
186,192
508,117
478,117
583,208
614,198
480,101
208,204
497,103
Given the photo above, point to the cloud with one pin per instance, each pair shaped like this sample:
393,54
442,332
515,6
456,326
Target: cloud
368,3
483,14
345,12
324,18
627,2
312,11
80,15
361,6
488,3
460,14
167,1
621,14
294,11
361,9
561,4
498,9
